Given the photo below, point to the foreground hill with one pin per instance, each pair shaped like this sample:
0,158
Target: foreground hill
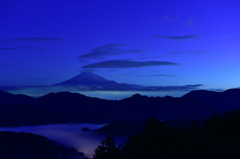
30,146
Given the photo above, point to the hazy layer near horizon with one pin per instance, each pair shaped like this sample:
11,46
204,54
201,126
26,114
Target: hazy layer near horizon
110,95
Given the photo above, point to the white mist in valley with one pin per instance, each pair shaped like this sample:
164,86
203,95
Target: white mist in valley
67,134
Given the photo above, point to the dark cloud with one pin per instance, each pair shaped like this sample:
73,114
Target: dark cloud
127,64
175,88
164,75
179,37
198,52
22,48
141,75
152,57
109,49
134,87
34,39
106,50
157,75
126,74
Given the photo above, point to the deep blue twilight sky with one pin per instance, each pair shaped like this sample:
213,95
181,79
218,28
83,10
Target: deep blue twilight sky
147,42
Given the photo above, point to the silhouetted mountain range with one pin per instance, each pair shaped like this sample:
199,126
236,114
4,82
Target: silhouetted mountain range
22,114
66,107
227,100
8,98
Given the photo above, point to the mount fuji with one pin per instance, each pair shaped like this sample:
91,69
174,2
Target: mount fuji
87,79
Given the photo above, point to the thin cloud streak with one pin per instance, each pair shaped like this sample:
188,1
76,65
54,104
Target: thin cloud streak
106,50
158,75
199,52
21,48
134,87
179,37
176,88
127,64
34,39
164,75
102,51
151,57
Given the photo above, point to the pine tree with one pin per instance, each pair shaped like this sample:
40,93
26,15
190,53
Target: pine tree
108,149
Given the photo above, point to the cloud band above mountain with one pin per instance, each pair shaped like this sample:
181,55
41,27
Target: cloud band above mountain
179,37
106,51
127,64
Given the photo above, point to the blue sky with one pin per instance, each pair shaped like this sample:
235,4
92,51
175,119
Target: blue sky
148,42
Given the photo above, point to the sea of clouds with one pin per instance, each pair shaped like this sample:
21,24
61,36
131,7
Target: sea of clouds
67,134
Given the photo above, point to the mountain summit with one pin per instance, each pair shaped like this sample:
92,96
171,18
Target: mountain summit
87,79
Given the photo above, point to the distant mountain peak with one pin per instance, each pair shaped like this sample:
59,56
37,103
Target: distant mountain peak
87,78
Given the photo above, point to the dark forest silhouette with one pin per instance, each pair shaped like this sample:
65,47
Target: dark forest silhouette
217,138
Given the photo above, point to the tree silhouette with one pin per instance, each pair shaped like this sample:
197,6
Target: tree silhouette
217,138
220,138
108,149
155,142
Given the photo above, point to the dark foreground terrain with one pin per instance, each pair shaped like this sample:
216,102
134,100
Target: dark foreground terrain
189,129
217,138
30,146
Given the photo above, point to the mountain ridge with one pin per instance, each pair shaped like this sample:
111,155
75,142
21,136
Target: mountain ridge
79,108
227,100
